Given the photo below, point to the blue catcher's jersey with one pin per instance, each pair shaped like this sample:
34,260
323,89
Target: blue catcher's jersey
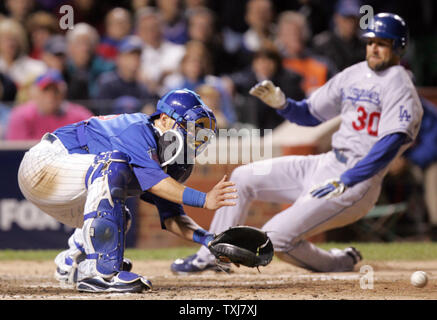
131,134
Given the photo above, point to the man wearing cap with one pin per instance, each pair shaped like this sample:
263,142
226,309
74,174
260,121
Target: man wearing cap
342,45
46,112
54,54
123,80
84,66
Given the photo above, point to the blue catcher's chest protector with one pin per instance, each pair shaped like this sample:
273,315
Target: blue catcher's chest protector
105,221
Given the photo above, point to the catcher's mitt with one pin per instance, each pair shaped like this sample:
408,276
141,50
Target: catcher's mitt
243,245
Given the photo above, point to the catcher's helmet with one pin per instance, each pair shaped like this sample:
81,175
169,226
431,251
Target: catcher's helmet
191,114
389,26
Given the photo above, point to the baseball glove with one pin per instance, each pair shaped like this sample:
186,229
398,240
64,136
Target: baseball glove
248,246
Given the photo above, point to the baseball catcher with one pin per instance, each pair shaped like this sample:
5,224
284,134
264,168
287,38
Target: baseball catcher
82,174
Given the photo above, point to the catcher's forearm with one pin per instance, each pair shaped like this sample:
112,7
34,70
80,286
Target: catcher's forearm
171,190
182,226
188,229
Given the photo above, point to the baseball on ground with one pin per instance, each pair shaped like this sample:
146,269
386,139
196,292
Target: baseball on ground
419,279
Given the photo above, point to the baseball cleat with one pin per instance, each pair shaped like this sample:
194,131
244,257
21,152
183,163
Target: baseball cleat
123,282
66,267
194,264
68,273
64,276
354,254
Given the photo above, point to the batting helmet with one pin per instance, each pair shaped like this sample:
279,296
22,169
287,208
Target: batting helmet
389,26
185,107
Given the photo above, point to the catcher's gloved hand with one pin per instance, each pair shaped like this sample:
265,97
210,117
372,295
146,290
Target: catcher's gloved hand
248,246
331,188
269,94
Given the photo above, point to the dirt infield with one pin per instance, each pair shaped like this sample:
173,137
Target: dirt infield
279,281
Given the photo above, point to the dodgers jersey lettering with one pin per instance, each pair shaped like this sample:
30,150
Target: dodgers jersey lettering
371,104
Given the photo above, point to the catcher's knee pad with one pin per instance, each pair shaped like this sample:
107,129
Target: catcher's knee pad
106,218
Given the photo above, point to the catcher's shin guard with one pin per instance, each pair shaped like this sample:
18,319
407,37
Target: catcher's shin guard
105,221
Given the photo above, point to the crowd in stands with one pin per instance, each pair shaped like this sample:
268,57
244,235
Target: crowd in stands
121,56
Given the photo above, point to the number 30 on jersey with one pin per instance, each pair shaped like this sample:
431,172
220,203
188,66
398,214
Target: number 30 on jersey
367,121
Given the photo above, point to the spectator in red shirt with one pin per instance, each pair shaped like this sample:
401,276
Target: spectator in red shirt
46,112
118,25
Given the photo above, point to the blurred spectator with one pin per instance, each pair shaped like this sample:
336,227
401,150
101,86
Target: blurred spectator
139,4
118,25
259,17
124,79
8,89
318,13
423,154
343,45
266,64
195,70
202,26
19,10
46,112
54,54
126,104
87,11
211,97
5,112
14,60
401,184
40,26
159,57
83,65
194,4
7,93
230,14
174,23
292,37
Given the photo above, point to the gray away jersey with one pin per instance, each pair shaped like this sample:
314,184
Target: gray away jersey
372,105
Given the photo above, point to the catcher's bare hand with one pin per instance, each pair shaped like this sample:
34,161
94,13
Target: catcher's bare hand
220,195
269,94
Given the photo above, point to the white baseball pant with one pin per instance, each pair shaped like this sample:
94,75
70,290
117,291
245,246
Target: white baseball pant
54,180
289,181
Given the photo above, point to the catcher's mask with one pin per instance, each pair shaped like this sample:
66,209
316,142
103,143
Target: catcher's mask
192,117
173,155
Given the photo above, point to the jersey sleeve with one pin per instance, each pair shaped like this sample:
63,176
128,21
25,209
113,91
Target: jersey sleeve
166,209
325,102
423,152
382,152
148,177
139,145
401,108
297,112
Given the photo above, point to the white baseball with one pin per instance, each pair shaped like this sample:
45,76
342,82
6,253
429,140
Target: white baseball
419,279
